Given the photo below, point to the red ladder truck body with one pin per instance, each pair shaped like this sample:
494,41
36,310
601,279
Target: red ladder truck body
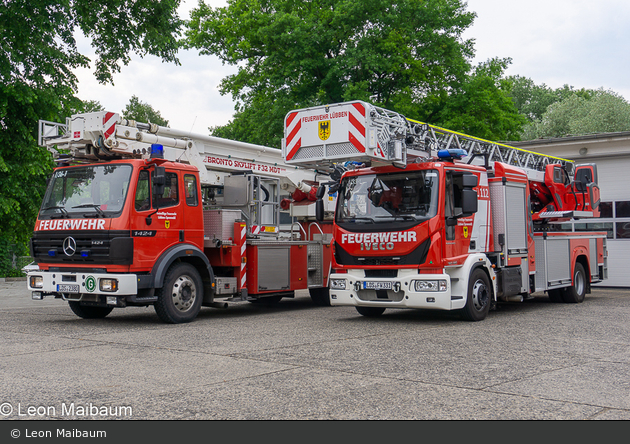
430,218
136,214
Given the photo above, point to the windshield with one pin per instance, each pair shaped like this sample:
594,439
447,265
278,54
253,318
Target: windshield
409,196
87,191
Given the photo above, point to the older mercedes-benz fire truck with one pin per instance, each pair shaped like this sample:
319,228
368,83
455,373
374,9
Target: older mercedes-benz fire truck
430,218
136,214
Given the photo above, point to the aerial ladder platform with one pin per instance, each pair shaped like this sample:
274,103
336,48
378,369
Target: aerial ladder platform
367,135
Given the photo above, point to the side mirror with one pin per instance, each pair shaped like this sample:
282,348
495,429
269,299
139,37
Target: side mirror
469,181
451,221
469,196
159,180
319,209
321,191
469,201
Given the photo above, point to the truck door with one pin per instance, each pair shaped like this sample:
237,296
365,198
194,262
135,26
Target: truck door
193,212
458,230
156,221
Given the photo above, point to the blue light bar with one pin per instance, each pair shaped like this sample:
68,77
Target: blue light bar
85,253
52,253
157,151
452,153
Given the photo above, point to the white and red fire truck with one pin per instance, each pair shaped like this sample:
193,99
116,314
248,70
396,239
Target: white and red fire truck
136,214
433,219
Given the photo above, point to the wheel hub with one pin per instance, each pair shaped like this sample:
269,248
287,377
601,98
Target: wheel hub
480,295
184,293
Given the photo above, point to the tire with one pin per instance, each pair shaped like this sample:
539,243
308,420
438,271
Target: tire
370,312
320,296
479,297
180,298
575,293
555,295
89,312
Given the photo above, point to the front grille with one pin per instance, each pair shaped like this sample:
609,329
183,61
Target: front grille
416,257
102,247
387,273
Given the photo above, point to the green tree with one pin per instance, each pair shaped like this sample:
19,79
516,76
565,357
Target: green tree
89,106
38,53
585,112
532,100
482,105
142,112
290,54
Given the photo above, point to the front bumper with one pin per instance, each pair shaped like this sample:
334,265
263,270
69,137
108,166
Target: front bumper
80,286
400,291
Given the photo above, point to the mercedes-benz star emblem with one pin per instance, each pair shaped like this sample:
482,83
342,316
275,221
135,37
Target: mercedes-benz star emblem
69,246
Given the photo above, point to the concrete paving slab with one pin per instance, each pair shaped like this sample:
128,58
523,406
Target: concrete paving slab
306,393
529,361
605,384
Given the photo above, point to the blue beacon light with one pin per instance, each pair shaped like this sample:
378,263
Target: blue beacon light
157,151
452,153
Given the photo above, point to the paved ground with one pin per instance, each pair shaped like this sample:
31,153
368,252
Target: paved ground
527,361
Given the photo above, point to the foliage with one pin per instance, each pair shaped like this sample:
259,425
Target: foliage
293,54
582,113
532,100
38,53
89,106
142,112
482,106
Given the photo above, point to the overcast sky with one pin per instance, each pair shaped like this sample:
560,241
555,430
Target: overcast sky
585,44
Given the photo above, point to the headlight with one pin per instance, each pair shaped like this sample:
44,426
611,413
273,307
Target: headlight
108,285
337,284
36,282
435,285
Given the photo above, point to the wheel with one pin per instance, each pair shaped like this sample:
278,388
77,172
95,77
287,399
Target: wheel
575,293
556,294
179,300
89,312
320,296
479,297
370,312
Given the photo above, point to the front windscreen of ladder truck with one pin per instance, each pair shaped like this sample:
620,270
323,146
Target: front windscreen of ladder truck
389,201
91,191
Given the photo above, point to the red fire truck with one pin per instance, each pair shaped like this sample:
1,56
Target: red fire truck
433,219
136,214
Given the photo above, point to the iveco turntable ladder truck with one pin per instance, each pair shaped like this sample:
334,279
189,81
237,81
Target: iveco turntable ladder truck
136,214
433,219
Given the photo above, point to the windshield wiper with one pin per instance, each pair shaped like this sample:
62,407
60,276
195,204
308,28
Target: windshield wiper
354,219
95,206
62,209
400,216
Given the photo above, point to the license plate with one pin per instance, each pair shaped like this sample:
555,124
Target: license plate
368,285
68,288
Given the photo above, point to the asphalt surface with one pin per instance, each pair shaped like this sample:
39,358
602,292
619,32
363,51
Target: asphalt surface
535,360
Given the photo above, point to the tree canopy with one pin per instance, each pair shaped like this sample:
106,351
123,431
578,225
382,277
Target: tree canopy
142,112
579,113
482,105
403,56
38,53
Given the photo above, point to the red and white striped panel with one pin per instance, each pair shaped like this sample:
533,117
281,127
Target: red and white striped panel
347,125
243,243
109,124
